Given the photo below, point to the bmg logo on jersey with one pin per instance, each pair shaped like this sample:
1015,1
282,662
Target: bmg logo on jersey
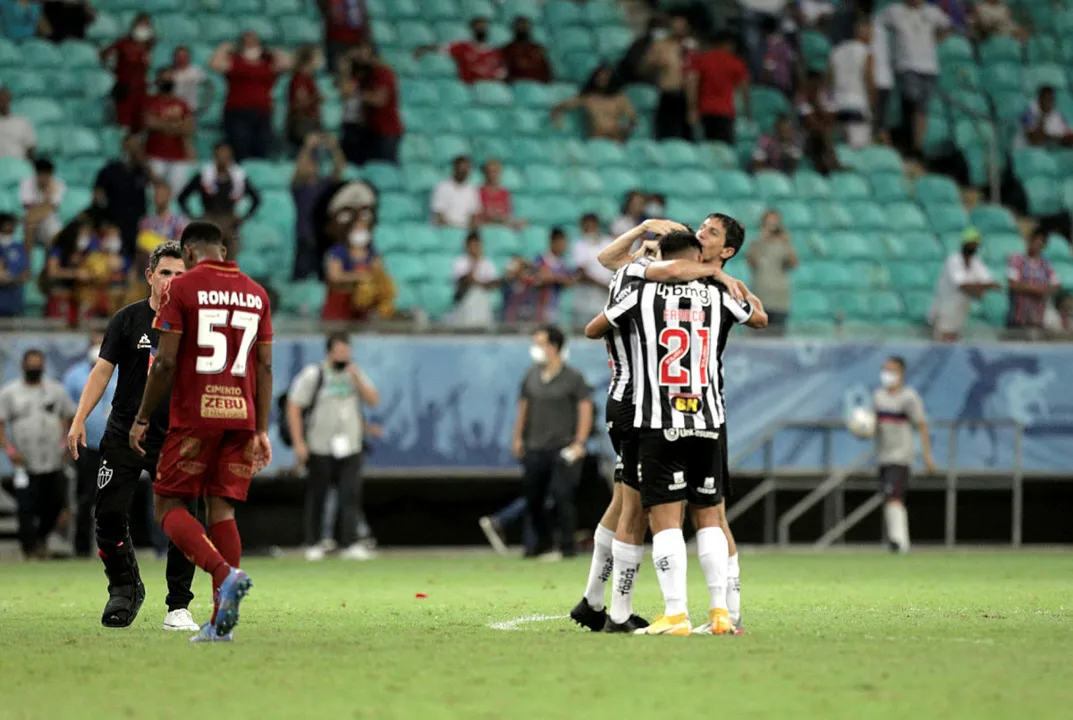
686,403
694,291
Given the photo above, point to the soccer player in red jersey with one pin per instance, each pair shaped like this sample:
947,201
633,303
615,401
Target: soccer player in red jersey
218,433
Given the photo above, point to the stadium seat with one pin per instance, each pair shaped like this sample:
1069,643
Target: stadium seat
1034,162
1044,197
611,42
421,179
80,142
809,184
999,246
78,55
41,54
447,147
947,217
395,207
492,93
735,184
816,48
617,182
772,184
643,97
810,304
878,159
299,30
601,153
832,216
480,122
911,276
487,148
584,181
1039,75
955,50
937,189
850,246
544,179
868,215
844,186
573,39
889,187
269,175
1000,48
385,177
601,14
500,241
563,12
39,111
907,216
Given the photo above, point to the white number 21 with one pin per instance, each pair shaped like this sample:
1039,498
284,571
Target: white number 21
209,337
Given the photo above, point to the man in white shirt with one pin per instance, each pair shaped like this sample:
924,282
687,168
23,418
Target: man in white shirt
590,293
964,278
854,87
17,137
40,196
455,201
476,283
918,28
1042,124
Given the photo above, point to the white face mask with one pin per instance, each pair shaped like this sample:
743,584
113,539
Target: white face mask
92,354
83,242
142,33
6,239
251,53
111,244
654,210
538,355
661,34
888,378
359,238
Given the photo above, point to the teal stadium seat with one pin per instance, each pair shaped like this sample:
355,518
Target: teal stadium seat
878,159
917,305
693,183
441,10
446,148
816,49
80,142
602,14
772,184
947,217
41,55
796,214
10,55
1044,197
480,122
385,177
500,241
493,93
911,276
1039,75
1000,48
298,30
850,246
415,33
75,200
420,179
907,216
454,94
617,181
644,97
832,216
809,305
269,175
278,8
266,29
1033,162
1042,50
847,186
937,189
27,84
39,111
304,299
889,187
533,95
394,9
97,84
563,12
437,299
868,215
999,246
179,29
486,148
733,184
955,50
584,181
395,207
810,184
79,55
1003,77
885,307
544,179
604,153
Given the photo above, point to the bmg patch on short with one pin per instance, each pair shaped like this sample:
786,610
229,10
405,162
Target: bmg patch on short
679,465
894,481
197,463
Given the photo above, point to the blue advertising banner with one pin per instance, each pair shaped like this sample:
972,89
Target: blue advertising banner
449,402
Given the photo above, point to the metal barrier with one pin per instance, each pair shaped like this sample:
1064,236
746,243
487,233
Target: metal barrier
834,481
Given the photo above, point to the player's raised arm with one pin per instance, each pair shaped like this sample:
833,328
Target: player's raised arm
618,254
157,385
98,380
597,327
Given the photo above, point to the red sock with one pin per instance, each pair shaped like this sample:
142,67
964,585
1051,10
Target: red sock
186,532
225,536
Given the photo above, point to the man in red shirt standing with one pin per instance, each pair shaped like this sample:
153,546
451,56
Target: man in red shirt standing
346,24
1032,282
476,60
169,144
372,86
712,78
130,56
523,58
218,430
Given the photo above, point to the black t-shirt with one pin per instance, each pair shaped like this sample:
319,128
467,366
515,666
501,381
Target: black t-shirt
129,343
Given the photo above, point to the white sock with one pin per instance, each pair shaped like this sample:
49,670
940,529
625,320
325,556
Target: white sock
890,519
600,568
712,549
669,557
903,526
627,564
734,590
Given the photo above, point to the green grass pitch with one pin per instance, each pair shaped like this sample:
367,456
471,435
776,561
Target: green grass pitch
842,635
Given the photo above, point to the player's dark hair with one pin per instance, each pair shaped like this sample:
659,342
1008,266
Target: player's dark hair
734,230
31,353
556,338
44,165
202,232
170,249
336,337
677,242
899,361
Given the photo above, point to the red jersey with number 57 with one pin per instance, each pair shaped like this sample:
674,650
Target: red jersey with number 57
221,314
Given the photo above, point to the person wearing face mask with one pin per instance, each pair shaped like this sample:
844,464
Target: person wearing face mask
14,267
476,280
64,272
130,57
107,268
251,70
771,260
324,414
119,192
372,125
476,59
89,458
34,411
590,293
456,201
524,58
608,111
170,141
189,80
40,196
358,286
308,187
963,280
666,60
303,97
899,410
221,185
550,431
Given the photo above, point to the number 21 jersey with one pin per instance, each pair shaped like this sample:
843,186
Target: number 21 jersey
221,314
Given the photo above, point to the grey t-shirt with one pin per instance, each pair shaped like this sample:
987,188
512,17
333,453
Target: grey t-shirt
33,418
551,421
897,413
335,426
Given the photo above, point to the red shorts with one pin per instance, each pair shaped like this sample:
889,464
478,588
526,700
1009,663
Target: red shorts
199,463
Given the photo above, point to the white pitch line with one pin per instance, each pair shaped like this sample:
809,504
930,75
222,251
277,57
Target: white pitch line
513,624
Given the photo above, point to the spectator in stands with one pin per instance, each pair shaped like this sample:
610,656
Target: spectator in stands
917,29
40,196
476,59
883,78
758,16
781,62
68,19
771,259
854,89
308,187
590,295
221,185
170,140
106,271
1032,281
633,212
496,205
476,281
666,60
17,136
992,17
1058,319
779,150
608,109
713,78
14,267
456,201
129,57
372,125
190,79
22,19
524,58
120,190
1042,124
156,228
550,275
64,270
346,24
816,113
358,285
251,70
964,279
515,287
303,96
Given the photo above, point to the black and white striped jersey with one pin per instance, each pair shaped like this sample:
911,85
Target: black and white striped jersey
678,332
618,340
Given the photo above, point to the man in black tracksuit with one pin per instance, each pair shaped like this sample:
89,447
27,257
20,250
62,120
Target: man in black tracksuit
130,343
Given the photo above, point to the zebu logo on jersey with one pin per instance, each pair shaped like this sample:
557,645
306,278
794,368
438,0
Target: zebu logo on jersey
221,401
104,476
694,291
686,403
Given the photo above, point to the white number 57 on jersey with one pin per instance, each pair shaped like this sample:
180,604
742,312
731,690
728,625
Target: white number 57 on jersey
208,336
